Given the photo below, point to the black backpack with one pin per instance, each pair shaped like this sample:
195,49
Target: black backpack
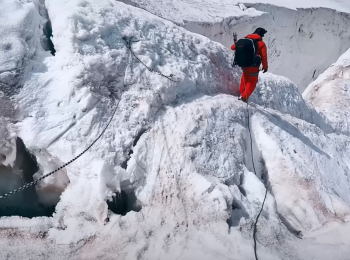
246,53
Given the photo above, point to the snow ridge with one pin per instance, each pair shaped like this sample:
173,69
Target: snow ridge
298,40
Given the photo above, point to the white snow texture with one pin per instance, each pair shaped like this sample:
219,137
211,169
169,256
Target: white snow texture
296,40
184,147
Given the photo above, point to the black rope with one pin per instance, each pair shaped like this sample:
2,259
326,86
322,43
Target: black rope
128,45
66,164
252,156
262,206
255,225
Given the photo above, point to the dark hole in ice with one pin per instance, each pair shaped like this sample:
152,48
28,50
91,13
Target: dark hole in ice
124,164
48,33
138,136
242,190
124,202
238,211
23,203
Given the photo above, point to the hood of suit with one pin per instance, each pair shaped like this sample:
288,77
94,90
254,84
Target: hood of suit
254,37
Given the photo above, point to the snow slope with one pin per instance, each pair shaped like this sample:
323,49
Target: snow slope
182,147
301,43
213,10
341,6
329,94
182,11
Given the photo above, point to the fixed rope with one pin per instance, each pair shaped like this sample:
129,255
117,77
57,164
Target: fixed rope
252,156
128,45
66,164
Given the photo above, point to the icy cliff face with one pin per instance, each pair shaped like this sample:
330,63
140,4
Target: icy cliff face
178,154
21,33
329,94
21,30
301,43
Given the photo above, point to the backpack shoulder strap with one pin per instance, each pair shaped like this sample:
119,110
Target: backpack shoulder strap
256,45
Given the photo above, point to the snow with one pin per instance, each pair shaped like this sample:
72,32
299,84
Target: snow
183,11
200,11
329,94
19,44
298,41
50,189
341,6
20,28
183,147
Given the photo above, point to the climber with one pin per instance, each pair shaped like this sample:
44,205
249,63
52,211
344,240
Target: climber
250,53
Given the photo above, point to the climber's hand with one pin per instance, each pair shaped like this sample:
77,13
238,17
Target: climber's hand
235,37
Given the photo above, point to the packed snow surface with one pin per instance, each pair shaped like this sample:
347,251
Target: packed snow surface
184,147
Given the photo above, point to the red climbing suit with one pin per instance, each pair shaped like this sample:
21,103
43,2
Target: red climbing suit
250,75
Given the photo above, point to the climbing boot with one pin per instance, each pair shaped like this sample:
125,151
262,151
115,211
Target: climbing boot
242,99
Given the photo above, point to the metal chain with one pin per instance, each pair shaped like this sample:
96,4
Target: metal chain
66,164
128,45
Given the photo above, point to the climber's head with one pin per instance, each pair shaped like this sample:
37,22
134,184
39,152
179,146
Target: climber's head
260,31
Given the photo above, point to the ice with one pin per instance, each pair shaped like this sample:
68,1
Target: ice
183,148
342,6
329,94
298,31
20,28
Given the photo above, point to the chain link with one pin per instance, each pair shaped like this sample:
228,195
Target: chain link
64,165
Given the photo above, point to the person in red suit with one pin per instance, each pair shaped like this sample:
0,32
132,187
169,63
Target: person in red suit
251,74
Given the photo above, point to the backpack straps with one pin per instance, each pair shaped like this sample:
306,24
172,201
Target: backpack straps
255,49
255,44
